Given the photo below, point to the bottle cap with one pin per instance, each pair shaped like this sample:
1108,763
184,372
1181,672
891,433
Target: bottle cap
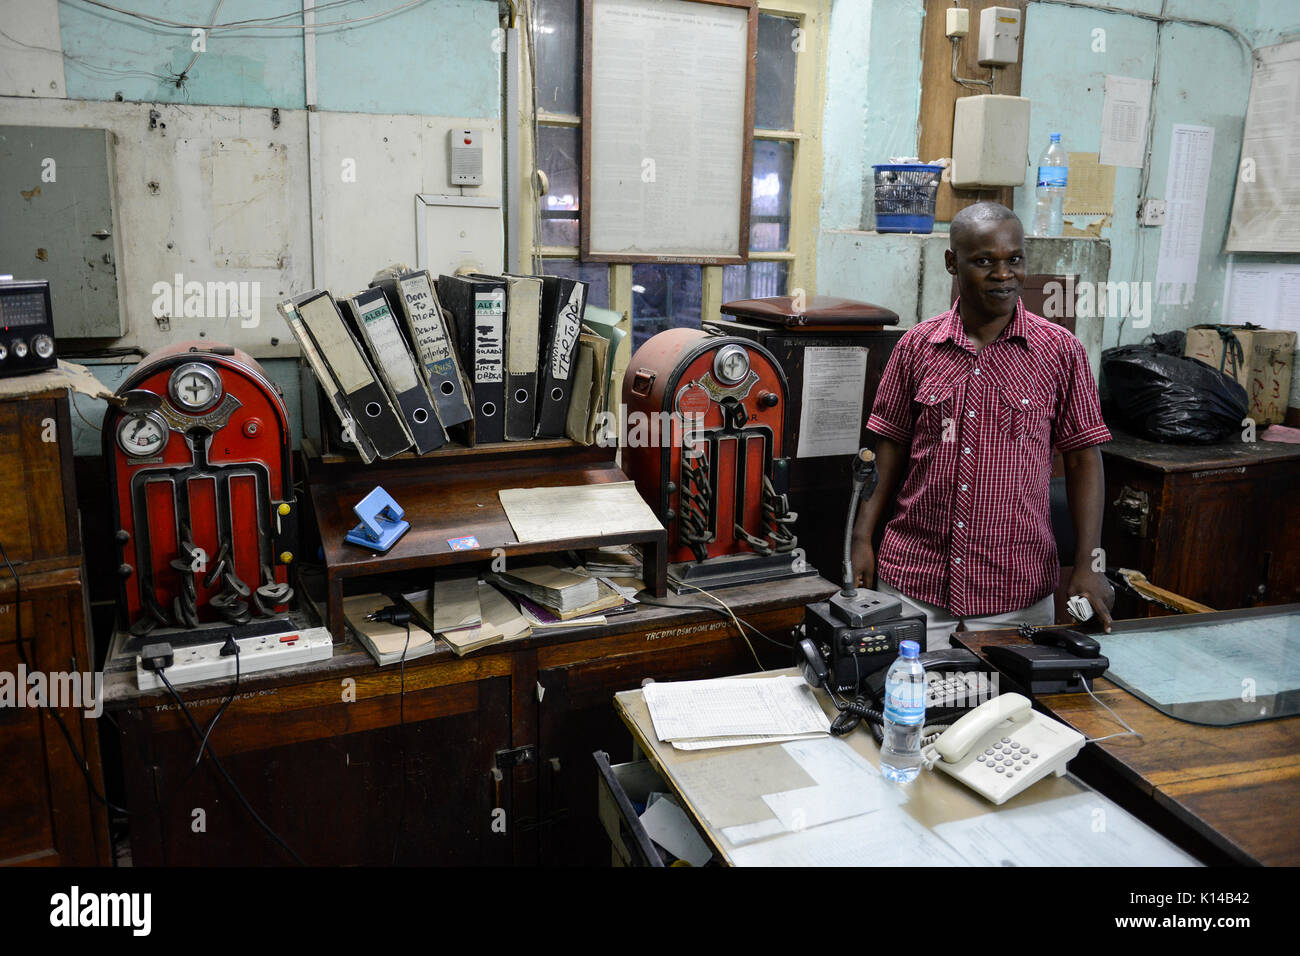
1056,137
909,649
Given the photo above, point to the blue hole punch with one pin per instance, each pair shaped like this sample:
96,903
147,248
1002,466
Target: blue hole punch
381,522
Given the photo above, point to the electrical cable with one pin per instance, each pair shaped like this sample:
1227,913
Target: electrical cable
641,598
239,794
30,666
222,709
248,24
180,77
1127,732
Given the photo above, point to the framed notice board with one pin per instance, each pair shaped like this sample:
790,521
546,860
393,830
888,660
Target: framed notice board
668,114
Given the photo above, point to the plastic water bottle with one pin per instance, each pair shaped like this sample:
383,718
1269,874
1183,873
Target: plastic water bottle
1053,173
900,754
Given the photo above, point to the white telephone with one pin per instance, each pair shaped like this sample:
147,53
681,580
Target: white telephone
1003,746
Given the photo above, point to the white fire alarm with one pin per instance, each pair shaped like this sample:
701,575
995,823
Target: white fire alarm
466,157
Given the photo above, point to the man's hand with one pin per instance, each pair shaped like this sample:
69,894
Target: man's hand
1094,586
864,562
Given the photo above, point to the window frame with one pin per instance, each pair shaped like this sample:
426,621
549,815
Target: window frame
805,183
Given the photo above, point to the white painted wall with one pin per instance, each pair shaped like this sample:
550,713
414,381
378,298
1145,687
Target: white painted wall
217,194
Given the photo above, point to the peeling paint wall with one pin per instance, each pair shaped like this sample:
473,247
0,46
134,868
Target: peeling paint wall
214,188
873,86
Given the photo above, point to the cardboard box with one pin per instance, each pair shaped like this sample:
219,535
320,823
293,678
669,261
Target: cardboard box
1262,366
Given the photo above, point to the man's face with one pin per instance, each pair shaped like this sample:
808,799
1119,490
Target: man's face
989,263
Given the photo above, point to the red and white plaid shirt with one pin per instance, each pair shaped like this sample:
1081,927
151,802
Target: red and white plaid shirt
973,531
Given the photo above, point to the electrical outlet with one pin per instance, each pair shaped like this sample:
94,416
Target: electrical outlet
1152,212
958,21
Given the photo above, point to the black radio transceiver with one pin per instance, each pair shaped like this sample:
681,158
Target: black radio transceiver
26,328
856,652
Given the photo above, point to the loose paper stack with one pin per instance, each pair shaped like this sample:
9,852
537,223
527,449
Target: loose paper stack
387,643
552,586
698,715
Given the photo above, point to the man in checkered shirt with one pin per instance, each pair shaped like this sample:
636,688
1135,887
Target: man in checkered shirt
968,411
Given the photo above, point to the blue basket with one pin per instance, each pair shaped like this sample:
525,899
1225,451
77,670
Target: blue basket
905,196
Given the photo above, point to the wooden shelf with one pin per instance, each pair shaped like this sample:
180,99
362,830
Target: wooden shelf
455,496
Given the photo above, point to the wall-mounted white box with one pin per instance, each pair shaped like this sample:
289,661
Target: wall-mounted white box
999,43
990,141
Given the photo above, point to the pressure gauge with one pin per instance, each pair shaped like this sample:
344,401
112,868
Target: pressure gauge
194,386
731,364
142,434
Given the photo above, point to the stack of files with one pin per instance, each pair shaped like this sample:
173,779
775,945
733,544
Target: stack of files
590,385
732,712
615,560
564,303
467,613
541,618
605,322
609,598
479,308
501,622
338,401
451,605
377,328
363,404
413,300
556,588
523,314
387,643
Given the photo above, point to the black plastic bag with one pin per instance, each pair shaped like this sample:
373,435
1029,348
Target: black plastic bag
1166,397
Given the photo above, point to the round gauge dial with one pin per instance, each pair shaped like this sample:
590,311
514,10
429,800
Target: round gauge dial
194,386
731,364
142,434
43,345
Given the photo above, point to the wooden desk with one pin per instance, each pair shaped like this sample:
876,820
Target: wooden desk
932,799
497,743
452,493
1237,789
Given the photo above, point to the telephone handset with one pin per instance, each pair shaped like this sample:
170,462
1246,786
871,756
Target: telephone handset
1003,746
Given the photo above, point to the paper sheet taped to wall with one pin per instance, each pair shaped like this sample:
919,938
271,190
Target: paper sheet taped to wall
830,416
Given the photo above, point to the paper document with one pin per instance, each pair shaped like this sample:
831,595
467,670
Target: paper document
1091,188
1124,114
1265,203
740,707
1085,829
576,511
1266,293
668,826
1190,151
887,838
830,417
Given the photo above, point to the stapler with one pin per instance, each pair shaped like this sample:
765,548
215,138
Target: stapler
381,521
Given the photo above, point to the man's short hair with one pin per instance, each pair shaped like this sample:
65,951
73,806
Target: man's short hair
980,212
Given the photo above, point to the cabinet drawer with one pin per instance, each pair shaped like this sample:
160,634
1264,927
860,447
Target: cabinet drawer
617,788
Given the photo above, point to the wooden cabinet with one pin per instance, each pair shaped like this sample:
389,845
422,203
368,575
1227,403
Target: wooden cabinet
498,744
1214,523
48,815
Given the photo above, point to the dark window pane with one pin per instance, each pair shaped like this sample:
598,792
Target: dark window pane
778,44
769,210
665,297
557,156
594,273
758,280
558,33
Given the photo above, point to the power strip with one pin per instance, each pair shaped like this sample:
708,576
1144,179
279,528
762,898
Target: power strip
205,662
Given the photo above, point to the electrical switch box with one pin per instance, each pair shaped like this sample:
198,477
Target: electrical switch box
990,141
466,157
958,22
999,43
